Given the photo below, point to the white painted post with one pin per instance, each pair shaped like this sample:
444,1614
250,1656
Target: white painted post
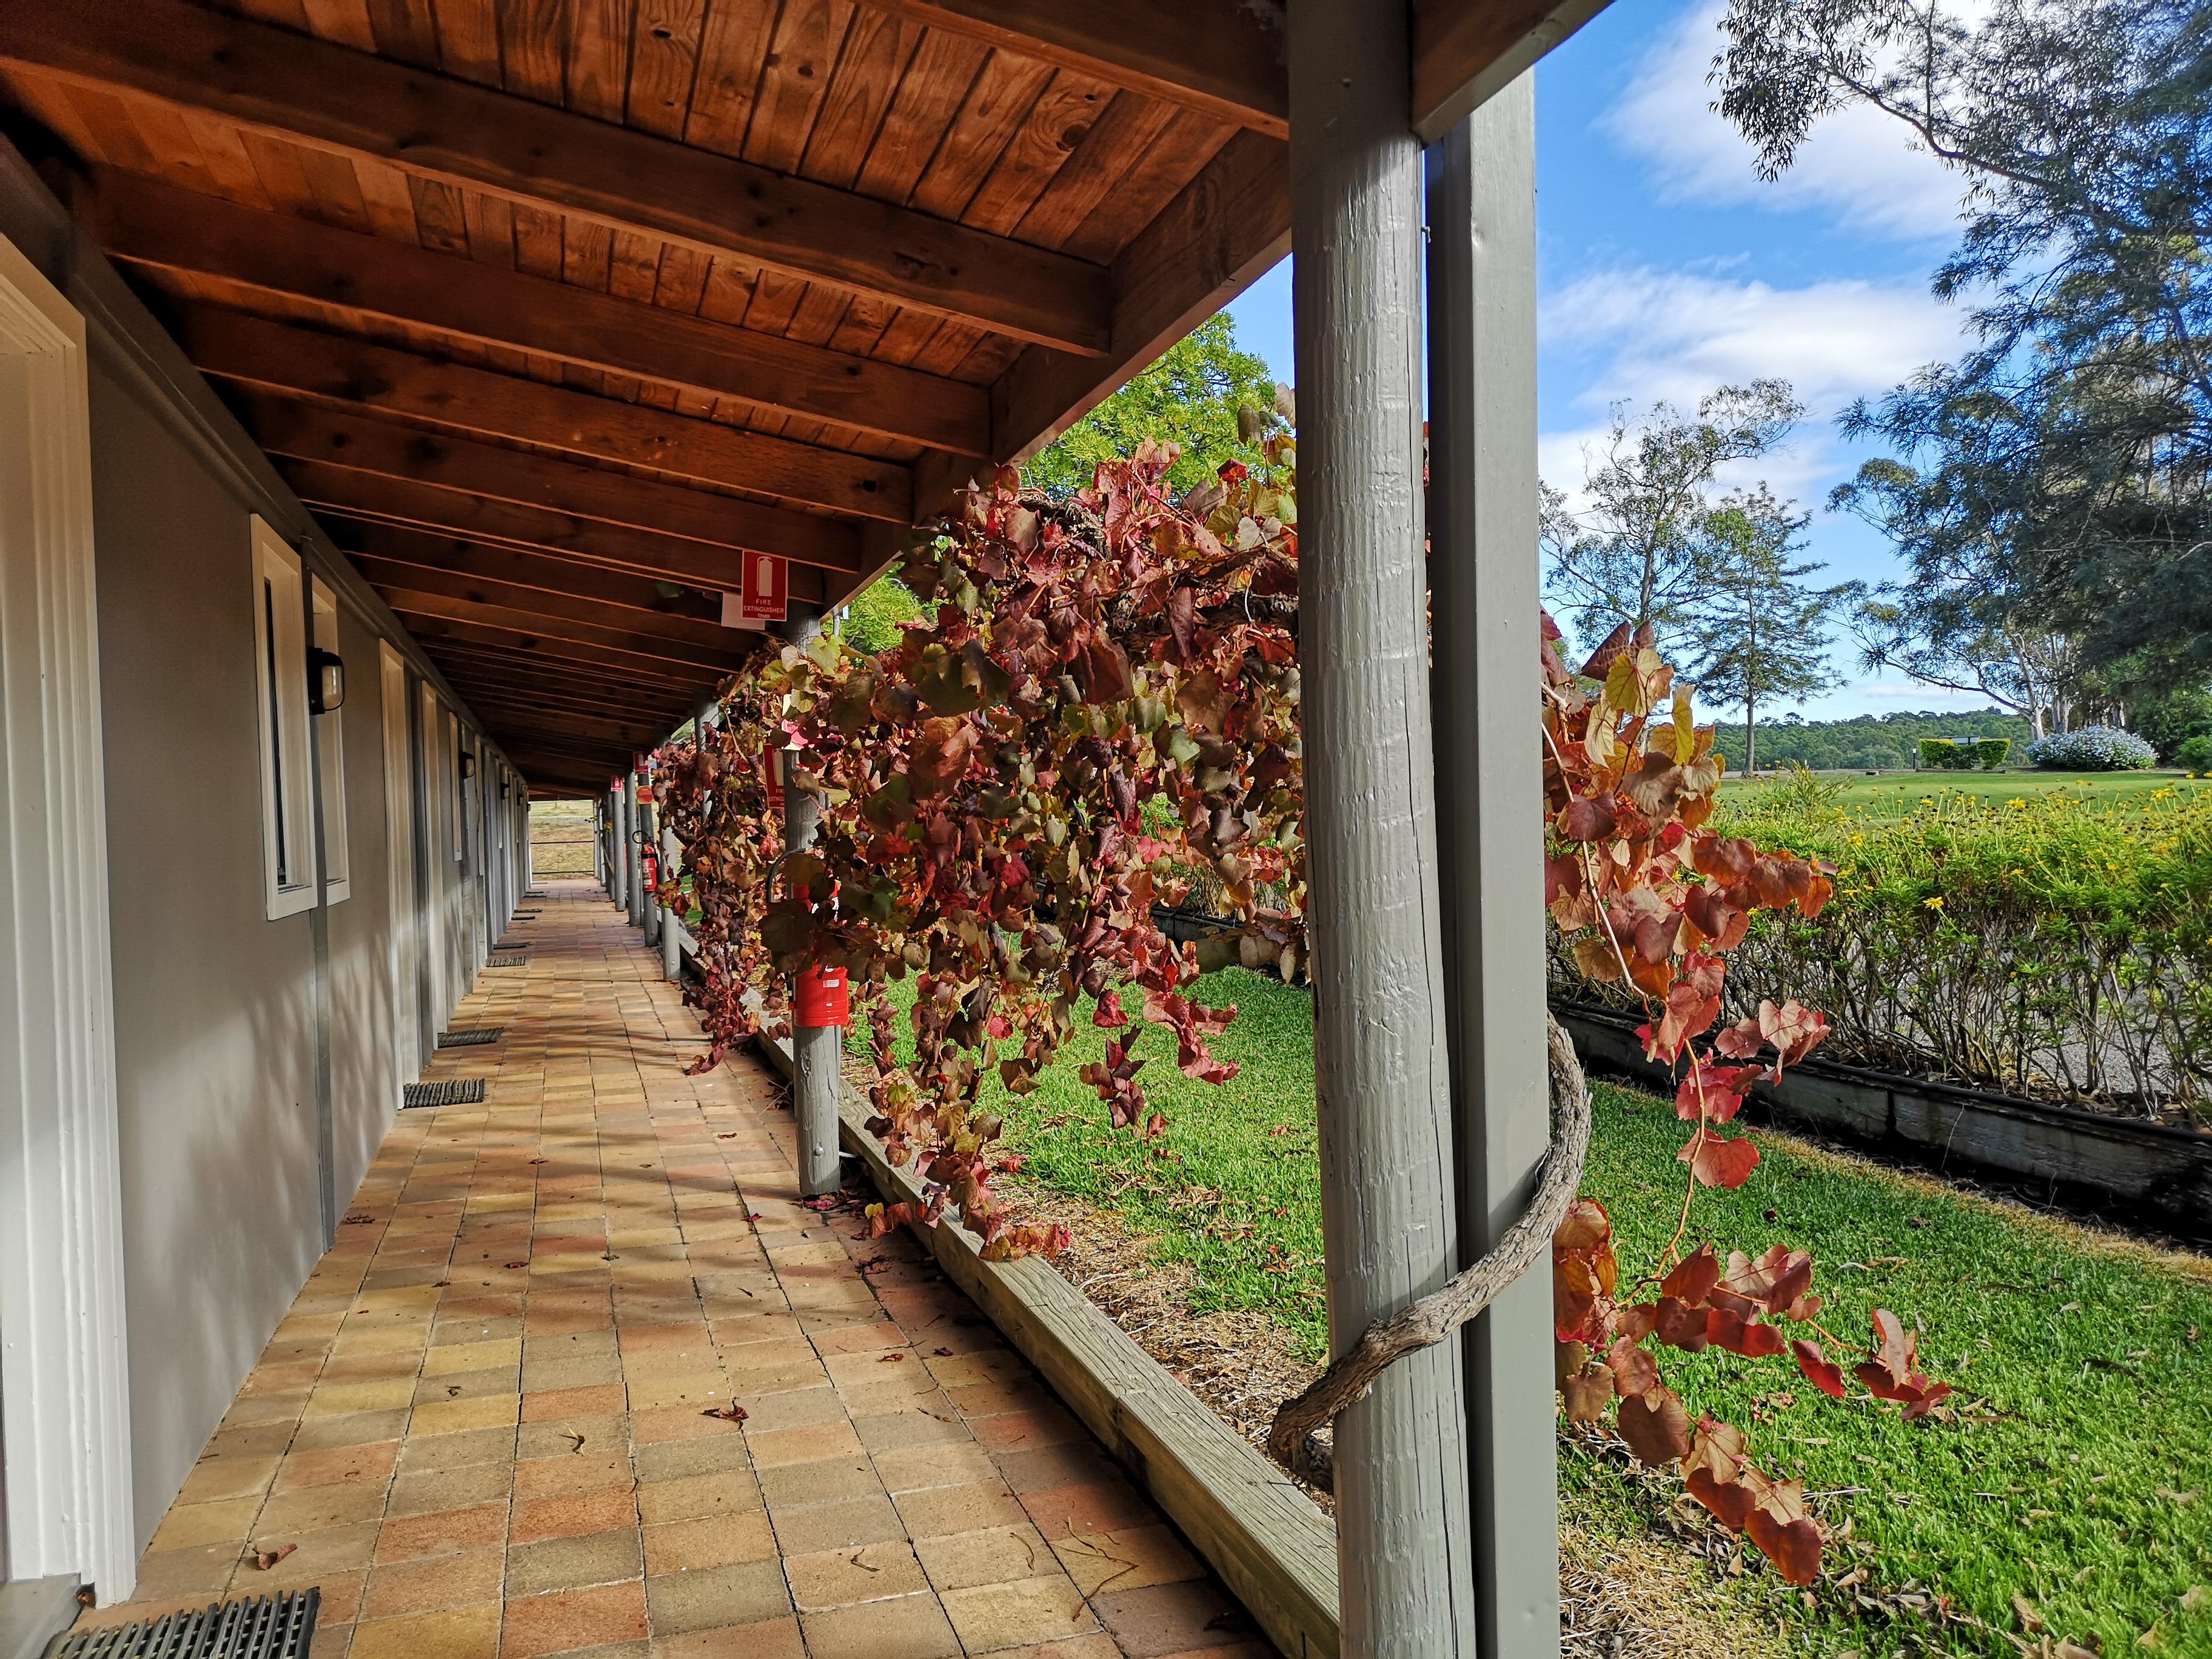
648,842
1382,1071
633,866
817,1051
1483,576
671,924
617,839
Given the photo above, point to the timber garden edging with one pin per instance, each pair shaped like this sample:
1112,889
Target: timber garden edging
1271,1545
2156,1171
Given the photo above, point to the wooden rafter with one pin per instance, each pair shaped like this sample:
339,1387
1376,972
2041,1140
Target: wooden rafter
390,548
356,374
1464,51
330,97
531,644
248,251
555,612
562,501
539,620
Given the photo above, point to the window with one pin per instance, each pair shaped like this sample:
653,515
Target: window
329,758
280,674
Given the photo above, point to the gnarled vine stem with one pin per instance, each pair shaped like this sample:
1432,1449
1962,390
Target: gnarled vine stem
1431,1319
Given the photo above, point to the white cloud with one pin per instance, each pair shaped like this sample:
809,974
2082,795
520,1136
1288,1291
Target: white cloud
1858,162
1645,335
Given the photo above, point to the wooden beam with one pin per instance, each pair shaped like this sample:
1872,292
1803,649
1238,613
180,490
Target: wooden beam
601,684
535,645
248,250
641,641
490,698
1223,57
1222,233
1466,50
489,676
330,97
568,503
390,549
232,346
555,610
513,721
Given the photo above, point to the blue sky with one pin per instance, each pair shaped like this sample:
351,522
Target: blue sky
1667,268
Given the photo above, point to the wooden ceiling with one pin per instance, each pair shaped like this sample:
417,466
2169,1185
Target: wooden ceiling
548,308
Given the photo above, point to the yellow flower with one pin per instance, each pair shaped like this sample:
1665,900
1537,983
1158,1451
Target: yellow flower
2016,801
1934,904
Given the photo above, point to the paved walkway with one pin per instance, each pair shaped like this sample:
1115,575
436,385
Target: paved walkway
484,1423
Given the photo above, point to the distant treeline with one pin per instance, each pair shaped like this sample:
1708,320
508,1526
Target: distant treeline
1892,741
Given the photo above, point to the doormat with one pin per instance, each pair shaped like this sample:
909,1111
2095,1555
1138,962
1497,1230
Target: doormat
464,1091
280,1626
469,1039
506,962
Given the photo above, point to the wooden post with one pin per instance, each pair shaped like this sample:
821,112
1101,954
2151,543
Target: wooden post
1483,584
1382,1071
633,866
817,1050
671,924
648,843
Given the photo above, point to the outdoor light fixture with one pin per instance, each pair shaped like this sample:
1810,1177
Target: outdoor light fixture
325,680
468,766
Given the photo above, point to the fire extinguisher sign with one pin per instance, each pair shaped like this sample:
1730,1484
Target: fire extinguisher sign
765,597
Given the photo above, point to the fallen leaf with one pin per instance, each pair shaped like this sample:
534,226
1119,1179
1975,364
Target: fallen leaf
266,1559
896,1356
945,1353
2030,1620
732,1412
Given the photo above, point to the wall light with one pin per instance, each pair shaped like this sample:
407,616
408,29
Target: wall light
325,680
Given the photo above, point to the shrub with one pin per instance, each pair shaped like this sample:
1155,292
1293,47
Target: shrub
2093,749
1946,755
2042,948
2197,754
1991,752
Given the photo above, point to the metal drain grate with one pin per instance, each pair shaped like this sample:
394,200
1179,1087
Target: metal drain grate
512,944
280,1626
464,1092
482,1034
506,962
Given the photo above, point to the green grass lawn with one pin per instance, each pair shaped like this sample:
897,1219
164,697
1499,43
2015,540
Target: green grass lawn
1900,794
2078,1472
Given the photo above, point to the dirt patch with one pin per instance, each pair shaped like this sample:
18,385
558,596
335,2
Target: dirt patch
1619,1599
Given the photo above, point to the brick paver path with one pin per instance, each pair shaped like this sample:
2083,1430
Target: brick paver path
483,1422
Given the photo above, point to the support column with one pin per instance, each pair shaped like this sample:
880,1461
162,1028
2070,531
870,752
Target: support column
632,871
648,841
817,1050
1382,1070
614,846
671,924
1484,588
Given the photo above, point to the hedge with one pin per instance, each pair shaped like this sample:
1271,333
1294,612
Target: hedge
1964,754
2042,948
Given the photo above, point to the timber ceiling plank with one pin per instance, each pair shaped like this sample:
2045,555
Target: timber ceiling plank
230,345
462,135
1222,57
587,494
1226,227
149,223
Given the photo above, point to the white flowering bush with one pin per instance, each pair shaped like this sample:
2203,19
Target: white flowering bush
2093,749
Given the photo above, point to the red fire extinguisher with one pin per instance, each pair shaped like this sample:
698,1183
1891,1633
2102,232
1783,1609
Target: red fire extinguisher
823,998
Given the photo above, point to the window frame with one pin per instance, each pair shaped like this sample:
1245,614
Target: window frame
330,756
289,865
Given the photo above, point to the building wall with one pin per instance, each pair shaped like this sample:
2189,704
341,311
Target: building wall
218,1007
215,1004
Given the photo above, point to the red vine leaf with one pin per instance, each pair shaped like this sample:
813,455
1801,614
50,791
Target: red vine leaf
1821,1371
1718,1161
1654,1425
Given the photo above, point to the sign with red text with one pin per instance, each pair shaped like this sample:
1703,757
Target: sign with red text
766,594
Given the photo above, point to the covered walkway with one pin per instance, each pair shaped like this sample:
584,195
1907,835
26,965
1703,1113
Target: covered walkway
485,1425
